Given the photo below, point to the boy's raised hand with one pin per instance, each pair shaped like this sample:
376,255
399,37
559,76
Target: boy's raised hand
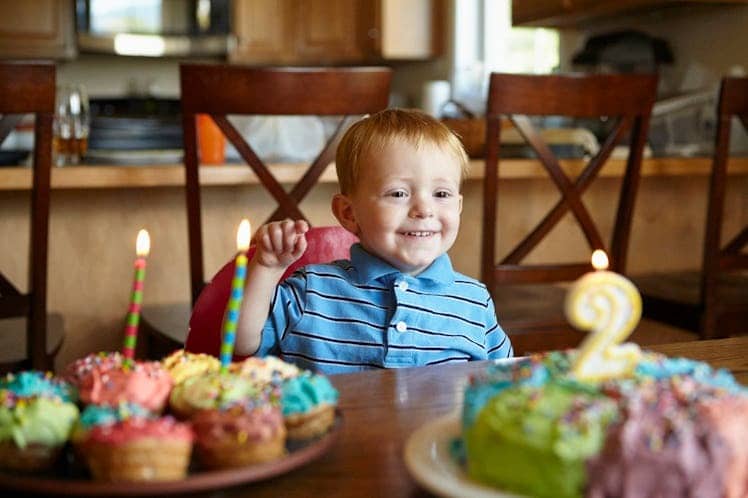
280,243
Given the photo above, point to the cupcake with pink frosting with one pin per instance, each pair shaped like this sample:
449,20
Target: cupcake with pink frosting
125,444
105,379
241,433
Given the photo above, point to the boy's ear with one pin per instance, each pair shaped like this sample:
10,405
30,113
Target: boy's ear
342,208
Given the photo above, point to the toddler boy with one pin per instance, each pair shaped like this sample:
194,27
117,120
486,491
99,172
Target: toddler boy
397,302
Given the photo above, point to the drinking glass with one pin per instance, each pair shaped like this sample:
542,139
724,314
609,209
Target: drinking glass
71,124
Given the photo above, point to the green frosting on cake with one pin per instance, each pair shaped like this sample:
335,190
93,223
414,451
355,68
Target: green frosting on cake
535,440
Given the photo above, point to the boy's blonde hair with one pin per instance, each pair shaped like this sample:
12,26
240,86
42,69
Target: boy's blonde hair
371,134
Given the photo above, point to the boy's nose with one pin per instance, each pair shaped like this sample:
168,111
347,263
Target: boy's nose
421,209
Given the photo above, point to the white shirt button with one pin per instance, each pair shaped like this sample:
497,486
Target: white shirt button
401,326
403,285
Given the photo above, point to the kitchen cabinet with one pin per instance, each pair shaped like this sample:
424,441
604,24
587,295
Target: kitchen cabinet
568,13
37,29
320,32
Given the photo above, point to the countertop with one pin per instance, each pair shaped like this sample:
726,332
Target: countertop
103,177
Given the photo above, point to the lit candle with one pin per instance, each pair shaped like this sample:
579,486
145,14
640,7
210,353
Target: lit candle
142,248
609,306
231,317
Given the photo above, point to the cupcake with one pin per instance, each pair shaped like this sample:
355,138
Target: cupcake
35,383
81,368
238,435
264,371
210,390
137,448
97,415
182,364
308,402
106,380
33,430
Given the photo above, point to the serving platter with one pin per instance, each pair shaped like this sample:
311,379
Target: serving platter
69,480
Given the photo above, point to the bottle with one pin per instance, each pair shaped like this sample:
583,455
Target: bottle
211,142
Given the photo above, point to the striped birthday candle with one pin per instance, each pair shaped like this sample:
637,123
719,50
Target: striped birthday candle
142,248
231,317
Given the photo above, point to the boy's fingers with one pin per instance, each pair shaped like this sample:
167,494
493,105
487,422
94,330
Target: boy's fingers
300,246
301,226
276,236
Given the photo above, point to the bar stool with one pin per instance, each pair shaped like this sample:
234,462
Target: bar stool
219,90
712,301
29,337
527,296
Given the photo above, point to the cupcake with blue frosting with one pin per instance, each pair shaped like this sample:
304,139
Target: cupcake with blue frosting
308,402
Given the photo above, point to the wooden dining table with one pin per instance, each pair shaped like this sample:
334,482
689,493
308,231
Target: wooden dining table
381,409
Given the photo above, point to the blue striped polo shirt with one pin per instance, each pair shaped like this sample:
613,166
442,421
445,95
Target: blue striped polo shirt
355,315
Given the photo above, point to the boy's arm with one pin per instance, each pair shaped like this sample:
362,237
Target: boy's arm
278,245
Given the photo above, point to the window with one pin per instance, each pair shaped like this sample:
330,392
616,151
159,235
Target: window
486,42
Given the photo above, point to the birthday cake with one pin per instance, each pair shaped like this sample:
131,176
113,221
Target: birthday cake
607,419
672,427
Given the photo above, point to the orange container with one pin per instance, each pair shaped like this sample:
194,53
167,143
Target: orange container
211,142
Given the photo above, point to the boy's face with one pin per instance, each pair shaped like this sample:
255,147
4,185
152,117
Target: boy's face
406,205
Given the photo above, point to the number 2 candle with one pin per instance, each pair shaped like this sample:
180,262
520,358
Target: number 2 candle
609,306
142,248
231,318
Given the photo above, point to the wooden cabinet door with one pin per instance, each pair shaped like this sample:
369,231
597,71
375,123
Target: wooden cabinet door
329,31
336,31
264,31
37,29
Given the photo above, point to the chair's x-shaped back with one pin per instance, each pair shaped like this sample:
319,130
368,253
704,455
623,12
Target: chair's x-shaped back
626,101
221,90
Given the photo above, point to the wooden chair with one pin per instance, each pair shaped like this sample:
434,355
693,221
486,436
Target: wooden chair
712,301
29,338
220,90
529,303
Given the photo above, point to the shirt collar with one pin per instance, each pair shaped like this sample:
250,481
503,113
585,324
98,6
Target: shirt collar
370,267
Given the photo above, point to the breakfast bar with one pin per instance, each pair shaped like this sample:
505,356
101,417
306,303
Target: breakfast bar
97,210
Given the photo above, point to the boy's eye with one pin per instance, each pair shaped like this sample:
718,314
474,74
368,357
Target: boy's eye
397,193
443,193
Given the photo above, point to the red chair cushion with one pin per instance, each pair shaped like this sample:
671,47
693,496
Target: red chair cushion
324,244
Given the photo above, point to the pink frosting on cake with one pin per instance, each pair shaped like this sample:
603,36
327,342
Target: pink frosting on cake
138,427
146,384
726,416
676,438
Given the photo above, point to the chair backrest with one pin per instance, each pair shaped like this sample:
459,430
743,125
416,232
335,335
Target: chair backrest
219,90
719,258
626,100
324,244
30,89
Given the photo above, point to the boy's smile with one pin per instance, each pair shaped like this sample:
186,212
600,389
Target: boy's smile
406,205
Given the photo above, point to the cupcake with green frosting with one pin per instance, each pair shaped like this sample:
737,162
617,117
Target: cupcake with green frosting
208,391
33,430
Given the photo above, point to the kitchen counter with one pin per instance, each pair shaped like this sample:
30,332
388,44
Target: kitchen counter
102,177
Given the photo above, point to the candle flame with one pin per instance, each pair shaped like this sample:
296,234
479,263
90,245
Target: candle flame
143,243
599,259
242,235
